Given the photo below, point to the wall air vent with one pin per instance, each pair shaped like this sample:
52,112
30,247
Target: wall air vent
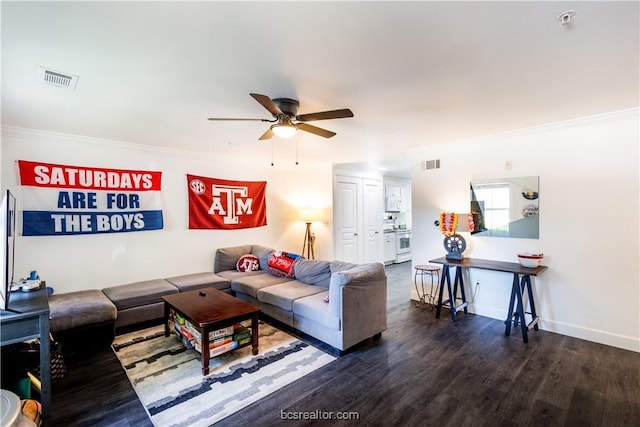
58,79
430,164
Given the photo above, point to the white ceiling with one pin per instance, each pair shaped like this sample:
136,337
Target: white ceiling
414,73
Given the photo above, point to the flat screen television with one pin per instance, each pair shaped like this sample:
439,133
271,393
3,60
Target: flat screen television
7,240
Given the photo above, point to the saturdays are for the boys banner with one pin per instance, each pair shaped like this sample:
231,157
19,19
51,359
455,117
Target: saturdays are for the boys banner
64,200
223,204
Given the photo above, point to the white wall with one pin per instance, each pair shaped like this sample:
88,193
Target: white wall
589,221
69,263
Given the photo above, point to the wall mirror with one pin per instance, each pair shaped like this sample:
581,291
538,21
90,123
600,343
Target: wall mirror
506,207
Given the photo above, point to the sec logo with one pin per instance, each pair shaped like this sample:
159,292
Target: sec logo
197,186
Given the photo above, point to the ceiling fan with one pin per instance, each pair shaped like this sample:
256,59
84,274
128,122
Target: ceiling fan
286,120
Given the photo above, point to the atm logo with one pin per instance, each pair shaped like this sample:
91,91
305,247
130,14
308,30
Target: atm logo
223,204
237,201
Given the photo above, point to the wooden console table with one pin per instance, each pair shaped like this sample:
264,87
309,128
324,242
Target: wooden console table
521,284
30,319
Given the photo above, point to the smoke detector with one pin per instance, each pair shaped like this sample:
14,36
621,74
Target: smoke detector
565,17
57,78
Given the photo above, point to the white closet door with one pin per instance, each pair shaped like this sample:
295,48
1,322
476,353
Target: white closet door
347,211
372,220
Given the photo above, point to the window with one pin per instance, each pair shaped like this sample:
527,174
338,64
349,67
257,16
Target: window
492,202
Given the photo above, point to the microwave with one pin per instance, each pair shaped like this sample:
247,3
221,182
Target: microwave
392,204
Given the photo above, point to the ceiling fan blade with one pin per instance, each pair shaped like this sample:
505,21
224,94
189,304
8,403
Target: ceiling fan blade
237,120
267,135
324,115
267,103
315,130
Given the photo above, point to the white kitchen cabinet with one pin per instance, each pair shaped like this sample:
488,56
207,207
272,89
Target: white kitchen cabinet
392,191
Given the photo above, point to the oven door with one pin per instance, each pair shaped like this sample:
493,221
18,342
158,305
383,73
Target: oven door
403,242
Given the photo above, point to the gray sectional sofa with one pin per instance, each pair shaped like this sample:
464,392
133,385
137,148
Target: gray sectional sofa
338,303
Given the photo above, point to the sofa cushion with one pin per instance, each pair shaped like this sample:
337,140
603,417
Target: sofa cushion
263,253
281,264
226,258
232,275
314,308
312,272
80,308
249,283
248,262
193,281
139,293
285,294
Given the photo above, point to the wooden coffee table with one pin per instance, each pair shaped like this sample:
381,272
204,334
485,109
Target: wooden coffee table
210,309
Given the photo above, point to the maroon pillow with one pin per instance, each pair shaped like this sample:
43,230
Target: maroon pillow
248,263
281,264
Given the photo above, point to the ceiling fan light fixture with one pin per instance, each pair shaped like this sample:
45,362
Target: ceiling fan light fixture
284,130
285,118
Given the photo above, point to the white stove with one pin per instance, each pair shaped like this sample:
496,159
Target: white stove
403,245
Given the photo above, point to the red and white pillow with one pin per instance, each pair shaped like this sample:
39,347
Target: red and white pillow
248,263
281,264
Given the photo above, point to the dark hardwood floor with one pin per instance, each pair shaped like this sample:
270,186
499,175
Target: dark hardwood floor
422,372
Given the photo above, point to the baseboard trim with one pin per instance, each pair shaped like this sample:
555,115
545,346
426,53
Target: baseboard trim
569,329
589,334
563,328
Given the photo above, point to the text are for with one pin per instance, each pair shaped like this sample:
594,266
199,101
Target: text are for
83,200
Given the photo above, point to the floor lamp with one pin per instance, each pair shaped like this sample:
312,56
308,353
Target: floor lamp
309,238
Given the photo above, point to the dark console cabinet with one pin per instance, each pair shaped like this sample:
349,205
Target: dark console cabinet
28,318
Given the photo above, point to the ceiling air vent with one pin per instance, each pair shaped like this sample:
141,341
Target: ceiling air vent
430,164
58,79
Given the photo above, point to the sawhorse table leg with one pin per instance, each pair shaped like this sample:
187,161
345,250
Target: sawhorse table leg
453,291
518,288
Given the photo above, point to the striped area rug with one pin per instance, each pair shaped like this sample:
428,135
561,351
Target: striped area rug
168,378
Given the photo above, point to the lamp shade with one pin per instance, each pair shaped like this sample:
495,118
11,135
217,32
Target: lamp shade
310,214
284,130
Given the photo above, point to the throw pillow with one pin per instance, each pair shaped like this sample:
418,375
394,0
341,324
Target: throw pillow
281,264
248,263
313,272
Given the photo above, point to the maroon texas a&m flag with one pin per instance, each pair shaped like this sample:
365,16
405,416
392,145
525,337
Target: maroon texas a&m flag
226,205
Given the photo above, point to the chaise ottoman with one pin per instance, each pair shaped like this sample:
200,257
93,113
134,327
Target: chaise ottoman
140,301
82,321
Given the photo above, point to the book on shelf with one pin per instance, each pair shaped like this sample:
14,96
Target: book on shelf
182,331
213,344
243,341
213,335
176,317
188,344
223,349
241,333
